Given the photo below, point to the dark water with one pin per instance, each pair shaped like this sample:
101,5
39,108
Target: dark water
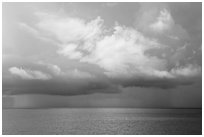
102,121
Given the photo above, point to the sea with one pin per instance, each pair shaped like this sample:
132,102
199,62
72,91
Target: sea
101,121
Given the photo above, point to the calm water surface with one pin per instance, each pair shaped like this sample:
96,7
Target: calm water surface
101,121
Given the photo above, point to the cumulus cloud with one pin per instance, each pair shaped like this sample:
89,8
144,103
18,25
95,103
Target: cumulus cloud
69,29
156,20
123,53
126,55
29,74
86,42
163,22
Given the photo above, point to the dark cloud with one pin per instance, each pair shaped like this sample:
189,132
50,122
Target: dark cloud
68,85
57,87
156,83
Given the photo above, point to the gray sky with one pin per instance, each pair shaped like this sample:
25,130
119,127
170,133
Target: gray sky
102,55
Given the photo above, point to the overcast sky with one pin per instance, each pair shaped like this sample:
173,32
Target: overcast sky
102,55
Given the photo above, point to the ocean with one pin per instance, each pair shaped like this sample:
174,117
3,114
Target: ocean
101,121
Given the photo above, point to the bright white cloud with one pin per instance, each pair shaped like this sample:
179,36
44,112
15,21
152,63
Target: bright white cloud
123,53
69,29
163,22
29,74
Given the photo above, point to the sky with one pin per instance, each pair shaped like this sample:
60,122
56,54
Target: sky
102,55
